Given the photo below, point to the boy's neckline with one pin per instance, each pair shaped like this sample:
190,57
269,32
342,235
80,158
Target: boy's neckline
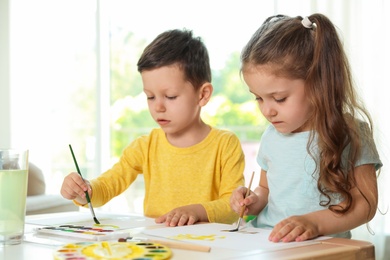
206,130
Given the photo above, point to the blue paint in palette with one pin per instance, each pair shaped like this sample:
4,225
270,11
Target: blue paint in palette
94,233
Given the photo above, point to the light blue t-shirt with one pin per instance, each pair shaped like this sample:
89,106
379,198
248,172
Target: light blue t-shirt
291,179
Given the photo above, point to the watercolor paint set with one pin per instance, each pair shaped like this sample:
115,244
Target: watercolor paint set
112,250
94,233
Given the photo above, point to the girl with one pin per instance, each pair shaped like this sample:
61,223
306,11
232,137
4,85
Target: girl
318,158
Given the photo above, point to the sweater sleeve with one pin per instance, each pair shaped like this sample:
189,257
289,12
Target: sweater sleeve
117,179
232,168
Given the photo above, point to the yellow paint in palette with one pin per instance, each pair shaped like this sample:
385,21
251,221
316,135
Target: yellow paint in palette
97,232
197,237
107,247
106,226
113,251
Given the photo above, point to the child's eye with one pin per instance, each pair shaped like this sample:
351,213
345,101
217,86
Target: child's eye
258,99
281,100
171,98
150,98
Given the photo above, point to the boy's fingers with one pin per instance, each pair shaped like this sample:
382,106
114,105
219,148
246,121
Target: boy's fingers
160,219
183,220
174,220
191,220
79,181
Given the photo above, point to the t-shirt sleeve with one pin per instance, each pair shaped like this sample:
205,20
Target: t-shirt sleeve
369,153
261,158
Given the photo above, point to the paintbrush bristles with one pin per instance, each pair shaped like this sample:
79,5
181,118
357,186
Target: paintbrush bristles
96,221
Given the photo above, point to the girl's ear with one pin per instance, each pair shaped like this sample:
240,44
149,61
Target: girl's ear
205,92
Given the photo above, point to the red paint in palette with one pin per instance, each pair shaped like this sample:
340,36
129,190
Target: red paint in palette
83,232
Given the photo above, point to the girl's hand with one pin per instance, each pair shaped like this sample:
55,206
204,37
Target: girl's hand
253,202
295,228
256,200
237,200
74,188
186,215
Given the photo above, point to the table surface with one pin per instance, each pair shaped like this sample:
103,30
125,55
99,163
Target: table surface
333,248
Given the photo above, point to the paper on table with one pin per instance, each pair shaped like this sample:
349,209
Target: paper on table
210,234
84,219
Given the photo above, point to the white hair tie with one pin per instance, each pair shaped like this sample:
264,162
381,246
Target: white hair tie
307,23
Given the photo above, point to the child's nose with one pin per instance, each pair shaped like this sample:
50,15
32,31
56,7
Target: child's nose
159,106
268,110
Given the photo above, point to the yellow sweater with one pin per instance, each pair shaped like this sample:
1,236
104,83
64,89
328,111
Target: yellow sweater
205,174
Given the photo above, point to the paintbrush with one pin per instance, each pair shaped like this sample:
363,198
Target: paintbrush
86,192
168,243
243,207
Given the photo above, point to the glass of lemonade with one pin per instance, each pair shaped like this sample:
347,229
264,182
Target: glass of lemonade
13,193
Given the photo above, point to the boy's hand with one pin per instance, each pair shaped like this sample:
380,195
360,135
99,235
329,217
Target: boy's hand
74,188
186,215
295,228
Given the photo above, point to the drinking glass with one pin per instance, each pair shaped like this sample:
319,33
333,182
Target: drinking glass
13,193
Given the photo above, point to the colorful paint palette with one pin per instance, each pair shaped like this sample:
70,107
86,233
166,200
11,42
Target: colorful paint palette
112,251
95,233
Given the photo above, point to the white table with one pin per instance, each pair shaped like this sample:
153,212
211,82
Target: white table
326,249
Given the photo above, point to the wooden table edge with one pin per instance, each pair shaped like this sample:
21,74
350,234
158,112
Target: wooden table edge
327,249
364,250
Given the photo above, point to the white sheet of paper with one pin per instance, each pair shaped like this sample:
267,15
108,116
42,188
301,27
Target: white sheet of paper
85,219
211,234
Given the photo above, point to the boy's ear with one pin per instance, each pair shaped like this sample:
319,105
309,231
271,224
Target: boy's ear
205,92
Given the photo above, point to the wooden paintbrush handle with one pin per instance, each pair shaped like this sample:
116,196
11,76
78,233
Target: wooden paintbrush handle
246,195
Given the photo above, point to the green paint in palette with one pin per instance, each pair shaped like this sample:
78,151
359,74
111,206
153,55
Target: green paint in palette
83,232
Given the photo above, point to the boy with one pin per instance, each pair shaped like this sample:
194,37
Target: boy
190,169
